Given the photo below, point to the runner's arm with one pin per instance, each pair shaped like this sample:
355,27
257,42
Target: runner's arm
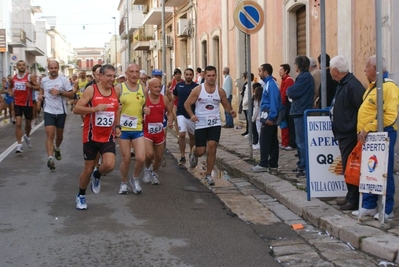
169,111
225,103
81,106
192,98
33,82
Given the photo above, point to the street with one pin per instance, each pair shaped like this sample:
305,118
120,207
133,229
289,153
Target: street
180,222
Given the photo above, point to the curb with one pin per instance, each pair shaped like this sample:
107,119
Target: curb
324,216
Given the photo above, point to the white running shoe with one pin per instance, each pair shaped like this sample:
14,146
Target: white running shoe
209,180
147,175
19,149
95,184
81,202
193,160
123,189
27,141
387,216
256,147
365,212
135,183
154,179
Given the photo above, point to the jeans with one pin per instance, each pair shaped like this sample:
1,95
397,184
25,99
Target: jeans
300,142
229,118
370,200
269,151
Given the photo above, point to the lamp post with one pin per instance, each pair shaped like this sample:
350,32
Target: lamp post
116,53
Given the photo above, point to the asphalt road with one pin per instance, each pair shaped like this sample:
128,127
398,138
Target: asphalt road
177,223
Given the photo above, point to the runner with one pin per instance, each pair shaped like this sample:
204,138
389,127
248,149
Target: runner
21,87
132,96
207,98
80,86
154,134
171,87
182,91
55,89
99,104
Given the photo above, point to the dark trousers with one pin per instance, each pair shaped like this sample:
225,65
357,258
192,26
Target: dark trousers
291,127
346,145
246,119
255,135
269,151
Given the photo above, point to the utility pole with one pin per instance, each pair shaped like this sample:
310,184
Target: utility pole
116,52
163,44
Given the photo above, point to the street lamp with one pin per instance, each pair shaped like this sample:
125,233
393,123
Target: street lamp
116,53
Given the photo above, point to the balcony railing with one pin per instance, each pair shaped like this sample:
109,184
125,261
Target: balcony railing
142,36
18,37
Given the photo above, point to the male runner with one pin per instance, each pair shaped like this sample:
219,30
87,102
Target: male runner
80,86
21,88
181,92
132,95
154,134
99,104
207,98
54,89
171,87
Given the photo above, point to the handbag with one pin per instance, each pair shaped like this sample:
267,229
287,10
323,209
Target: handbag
352,170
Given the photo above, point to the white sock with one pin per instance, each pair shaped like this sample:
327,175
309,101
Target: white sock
50,157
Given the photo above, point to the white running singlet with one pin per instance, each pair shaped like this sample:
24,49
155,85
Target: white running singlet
207,109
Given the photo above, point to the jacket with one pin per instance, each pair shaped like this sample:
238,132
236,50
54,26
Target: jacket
301,93
367,115
345,106
271,98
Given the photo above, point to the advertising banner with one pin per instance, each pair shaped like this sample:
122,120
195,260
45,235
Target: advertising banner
324,165
374,167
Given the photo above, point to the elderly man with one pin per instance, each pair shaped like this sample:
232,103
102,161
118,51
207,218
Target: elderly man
367,122
316,74
343,114
228,88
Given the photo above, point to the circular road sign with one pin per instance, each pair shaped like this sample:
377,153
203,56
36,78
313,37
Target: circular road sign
248,17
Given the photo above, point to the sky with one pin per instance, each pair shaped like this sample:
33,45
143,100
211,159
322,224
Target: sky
74,15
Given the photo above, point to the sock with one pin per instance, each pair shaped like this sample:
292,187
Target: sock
51,157
56,148
134,178
97,174
82,192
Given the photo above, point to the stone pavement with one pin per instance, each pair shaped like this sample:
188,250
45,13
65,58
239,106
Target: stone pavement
282,185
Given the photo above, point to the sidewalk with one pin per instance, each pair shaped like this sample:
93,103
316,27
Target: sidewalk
233,155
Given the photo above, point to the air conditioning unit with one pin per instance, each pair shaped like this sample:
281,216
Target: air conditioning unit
159,45
182,28
145,9
153,45
169,41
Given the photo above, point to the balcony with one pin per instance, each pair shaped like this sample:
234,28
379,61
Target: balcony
18,38
142,37
34,51
175,3
154,16
135,21
139,2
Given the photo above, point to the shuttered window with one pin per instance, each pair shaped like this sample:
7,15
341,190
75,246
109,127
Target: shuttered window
301,30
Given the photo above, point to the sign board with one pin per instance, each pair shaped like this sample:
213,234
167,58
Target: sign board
248,16
374,166
3,43
14,59
324,173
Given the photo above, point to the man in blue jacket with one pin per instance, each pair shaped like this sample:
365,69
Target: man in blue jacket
270,106
301,93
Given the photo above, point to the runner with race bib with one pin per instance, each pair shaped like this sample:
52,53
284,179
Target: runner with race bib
154,134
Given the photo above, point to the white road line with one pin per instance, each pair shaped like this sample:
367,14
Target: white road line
13,146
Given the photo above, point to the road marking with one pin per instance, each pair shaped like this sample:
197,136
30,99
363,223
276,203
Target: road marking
13,146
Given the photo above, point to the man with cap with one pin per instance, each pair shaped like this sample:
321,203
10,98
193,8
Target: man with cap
121,78
171,87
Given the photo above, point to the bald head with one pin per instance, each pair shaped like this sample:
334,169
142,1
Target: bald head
132,73
154,86
53,68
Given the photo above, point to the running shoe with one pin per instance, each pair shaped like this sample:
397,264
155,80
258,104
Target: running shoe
387,216
182,162
13,121
135,183
51,164
163,163
95,184
57,154
123,189
147,175
154,178
81,202
365,212
209,180
19,149
193,160
5,121
27,141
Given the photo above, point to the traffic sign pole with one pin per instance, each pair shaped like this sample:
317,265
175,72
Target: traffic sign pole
249,113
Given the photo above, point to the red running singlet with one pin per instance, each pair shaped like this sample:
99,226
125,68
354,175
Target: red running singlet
153,123
22,96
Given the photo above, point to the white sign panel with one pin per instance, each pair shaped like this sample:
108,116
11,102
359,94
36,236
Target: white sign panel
374,167
324,176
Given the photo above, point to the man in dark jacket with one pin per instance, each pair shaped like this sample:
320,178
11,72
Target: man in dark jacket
343,114
301,93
